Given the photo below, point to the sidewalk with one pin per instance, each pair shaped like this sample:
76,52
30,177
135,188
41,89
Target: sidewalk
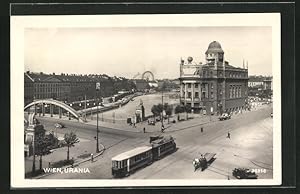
169,127
194,120
80,152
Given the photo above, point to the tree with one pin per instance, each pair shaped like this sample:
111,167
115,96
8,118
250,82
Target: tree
163,86
179,109
168,110
39,130
166,106
160,109
187,109
70,139
155,111
43,144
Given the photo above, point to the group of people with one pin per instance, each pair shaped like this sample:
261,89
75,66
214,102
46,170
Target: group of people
132,124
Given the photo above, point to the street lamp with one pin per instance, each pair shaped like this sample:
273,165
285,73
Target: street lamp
97,137
85,107
162,112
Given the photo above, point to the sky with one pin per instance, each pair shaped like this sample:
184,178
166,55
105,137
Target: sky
130,50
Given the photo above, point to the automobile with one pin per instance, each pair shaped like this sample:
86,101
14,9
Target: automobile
59,125
244,173
224,116
271,115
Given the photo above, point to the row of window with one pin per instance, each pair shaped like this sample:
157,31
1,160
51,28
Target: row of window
140,157
165,146
48,95
189,94
119,164
196,85
52,85
235,91
50,90
237,74
189,85
231,74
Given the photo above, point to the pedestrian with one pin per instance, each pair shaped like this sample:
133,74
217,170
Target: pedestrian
201,129
92,157
144,130
162,128
228,135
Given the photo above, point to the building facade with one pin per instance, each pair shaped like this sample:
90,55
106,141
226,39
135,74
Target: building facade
71,87
215,86
268,84
260,86
256,81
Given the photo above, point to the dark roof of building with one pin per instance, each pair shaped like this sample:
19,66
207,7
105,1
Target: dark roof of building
42,77
39,77
27,78
214,47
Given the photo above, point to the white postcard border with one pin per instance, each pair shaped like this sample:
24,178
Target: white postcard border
19,23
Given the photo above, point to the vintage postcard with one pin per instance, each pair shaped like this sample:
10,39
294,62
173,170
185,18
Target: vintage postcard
145,100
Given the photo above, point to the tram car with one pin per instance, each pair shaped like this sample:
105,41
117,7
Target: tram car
128,162
162,147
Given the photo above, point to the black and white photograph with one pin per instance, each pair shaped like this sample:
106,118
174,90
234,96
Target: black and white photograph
148,100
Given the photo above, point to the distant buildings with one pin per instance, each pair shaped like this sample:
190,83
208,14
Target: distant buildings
141,84
260,85
268,83
215,86
168,84
71,87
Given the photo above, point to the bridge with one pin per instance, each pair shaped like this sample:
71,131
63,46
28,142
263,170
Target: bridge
53,103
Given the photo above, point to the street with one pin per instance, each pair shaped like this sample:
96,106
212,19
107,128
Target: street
148,101
250,146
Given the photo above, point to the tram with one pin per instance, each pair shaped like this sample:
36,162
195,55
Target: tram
128,162
162,147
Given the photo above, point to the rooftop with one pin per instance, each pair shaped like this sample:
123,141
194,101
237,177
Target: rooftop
131,153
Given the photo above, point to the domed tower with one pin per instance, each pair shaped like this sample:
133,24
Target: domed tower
214,54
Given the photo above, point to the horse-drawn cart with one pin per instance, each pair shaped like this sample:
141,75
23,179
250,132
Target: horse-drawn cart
203,161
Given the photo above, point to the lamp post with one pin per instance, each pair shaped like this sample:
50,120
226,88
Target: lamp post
85,107
210,111
162,112
97,136
33,152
